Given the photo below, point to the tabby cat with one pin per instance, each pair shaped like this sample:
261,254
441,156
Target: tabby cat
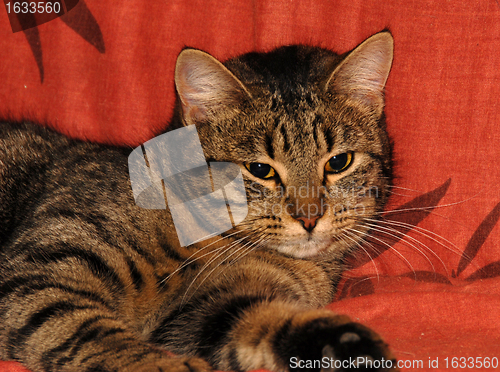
89,281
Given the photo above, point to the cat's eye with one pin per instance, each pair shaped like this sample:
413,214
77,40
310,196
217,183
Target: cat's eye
261,170
339,163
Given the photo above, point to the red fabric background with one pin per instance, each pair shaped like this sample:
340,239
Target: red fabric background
108,76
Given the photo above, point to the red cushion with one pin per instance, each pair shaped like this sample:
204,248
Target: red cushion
108,76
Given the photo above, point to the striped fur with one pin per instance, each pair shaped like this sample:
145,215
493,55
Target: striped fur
91,282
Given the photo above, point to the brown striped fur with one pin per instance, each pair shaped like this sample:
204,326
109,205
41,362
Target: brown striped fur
91,282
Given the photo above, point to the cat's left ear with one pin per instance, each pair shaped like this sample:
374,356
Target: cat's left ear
363,73
206,87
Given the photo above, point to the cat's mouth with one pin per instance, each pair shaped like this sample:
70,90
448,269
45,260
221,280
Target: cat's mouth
325,239
307,247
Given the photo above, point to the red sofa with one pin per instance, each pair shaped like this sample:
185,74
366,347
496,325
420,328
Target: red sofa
104,72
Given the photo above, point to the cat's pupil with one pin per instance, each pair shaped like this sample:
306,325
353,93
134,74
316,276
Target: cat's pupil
339,162
261,170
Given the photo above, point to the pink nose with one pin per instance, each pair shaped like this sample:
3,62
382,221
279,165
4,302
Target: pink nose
308,223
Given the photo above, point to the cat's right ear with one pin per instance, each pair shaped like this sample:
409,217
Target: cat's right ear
363,73
205,86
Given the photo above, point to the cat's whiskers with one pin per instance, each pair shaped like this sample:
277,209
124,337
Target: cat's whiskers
259,239
212,260
222,250
442,241
404,188
262,240
431,208
413,191
438,239
398,235
358,241
246,250
361,233
188,261
362,241
390,192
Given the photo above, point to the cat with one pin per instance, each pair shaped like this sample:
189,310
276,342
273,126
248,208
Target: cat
90,281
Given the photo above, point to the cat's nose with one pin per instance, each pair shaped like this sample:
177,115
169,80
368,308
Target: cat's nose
308,223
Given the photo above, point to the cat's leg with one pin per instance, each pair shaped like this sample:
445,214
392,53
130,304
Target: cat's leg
266,313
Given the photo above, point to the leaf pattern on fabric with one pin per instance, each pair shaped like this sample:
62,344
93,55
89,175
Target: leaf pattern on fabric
491,270
84,24
80,19
427,276
410,214
406,216
357,287
33,37
478,238
70,4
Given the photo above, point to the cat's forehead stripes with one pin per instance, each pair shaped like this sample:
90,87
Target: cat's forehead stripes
268,140
294,139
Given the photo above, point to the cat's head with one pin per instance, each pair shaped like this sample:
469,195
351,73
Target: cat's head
307,128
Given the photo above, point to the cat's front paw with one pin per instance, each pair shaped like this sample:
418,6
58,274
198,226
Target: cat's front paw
356,347
172,365
333,343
